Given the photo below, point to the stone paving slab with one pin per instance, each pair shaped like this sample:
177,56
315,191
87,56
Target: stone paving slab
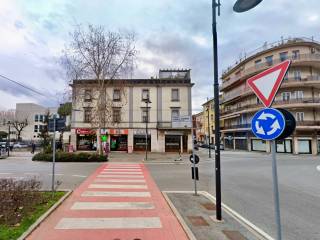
198,213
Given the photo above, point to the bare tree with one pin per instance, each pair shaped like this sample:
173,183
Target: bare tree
19,125
105,57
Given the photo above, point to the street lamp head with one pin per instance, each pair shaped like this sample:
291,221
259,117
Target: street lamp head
245,5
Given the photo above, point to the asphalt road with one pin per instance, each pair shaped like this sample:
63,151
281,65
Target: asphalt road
69,175
247,188
246,184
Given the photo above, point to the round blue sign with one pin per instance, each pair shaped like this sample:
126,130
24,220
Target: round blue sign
268,124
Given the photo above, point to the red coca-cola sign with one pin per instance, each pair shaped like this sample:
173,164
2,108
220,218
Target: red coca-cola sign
85,131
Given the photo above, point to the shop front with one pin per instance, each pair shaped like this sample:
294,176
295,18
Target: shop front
176,141
86,139
118,139
284,146
139,140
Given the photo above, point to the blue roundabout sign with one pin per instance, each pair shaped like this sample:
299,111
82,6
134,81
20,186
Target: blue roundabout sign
268,124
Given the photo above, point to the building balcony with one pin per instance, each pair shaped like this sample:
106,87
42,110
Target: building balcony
300,125
292,103
300,60
289,82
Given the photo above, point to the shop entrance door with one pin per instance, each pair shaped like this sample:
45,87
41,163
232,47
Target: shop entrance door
119,143
172,143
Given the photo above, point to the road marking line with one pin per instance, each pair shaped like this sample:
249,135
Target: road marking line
120,176
121,180
5,173
112,205
122,169
82,176
118,186
114,194
31,173
109,223
56,174
318,168
133,173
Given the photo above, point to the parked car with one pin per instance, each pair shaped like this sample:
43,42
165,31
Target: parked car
20,145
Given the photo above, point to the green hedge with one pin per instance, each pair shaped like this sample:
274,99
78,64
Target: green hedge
69,157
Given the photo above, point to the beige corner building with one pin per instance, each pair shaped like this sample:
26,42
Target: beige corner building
299,94
170,98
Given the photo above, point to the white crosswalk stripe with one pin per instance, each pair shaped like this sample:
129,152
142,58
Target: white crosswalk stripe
109,223
112,205
118,186
114,194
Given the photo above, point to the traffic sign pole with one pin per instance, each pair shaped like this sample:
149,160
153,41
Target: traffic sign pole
194,166
53,152
276,189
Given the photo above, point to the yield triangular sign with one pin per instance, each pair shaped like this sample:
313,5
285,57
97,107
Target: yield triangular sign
267,83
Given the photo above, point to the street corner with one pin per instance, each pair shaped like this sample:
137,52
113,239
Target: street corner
197,215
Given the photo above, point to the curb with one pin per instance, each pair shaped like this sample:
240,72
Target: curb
44,216
246,223
179,217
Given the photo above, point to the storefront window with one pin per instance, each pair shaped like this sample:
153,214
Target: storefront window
119,143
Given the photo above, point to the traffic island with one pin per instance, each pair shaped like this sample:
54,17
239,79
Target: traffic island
197,216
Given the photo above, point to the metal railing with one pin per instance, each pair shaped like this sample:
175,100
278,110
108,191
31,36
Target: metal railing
262,66
277,102
267,47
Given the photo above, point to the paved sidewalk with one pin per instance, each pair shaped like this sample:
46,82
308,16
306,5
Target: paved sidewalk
117,202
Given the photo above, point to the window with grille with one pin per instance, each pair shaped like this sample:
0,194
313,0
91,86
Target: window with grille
175,94
116,95
297,74
116,115
300,116
87,115
286,96
298,94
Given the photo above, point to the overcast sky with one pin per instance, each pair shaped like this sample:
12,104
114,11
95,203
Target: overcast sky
170,34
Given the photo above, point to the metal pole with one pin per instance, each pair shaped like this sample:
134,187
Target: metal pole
53,151
147,130
9,140
276,189
194,167
216,110
209,133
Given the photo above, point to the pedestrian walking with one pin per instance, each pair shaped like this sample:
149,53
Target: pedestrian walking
33,147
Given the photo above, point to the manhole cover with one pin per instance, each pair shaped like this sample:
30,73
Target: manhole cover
233,235
198,221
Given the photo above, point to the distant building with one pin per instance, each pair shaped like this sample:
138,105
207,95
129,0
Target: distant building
35,115
299,94
198,127
208,121
170,97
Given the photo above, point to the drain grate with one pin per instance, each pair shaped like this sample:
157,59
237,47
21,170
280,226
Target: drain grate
198,221
209,206
233,235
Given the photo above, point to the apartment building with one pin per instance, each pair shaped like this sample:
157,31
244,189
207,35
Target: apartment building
208,121
169,98
299,94
198,127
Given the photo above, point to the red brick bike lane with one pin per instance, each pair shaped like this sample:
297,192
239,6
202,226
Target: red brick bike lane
118,202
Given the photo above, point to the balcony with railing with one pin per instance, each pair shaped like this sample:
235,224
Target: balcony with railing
245,73
299,124
303,102
287,82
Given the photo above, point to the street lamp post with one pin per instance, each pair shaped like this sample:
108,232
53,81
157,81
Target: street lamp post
239,6
209,132
9,130
147,101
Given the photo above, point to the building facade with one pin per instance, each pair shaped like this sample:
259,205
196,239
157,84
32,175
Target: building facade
299,94
198,127
208,121
35,115
169,97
